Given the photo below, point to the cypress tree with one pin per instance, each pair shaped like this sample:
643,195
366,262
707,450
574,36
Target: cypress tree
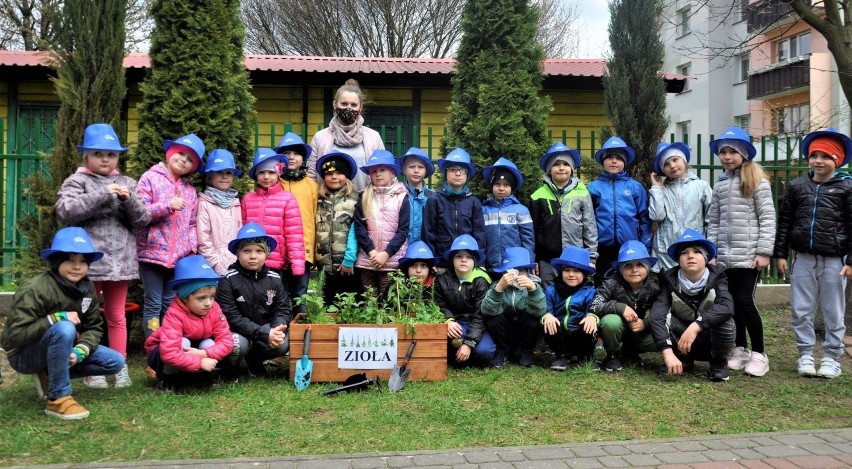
496,107
90,84
197,81
634,88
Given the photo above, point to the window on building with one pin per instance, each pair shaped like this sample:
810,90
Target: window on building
685,70
739,11
793,47
684,17
682,129
793,120
743,122
744,62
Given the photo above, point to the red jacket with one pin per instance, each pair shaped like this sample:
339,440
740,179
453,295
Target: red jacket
277,211
179,323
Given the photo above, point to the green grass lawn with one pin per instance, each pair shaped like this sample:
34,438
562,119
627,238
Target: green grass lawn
510,406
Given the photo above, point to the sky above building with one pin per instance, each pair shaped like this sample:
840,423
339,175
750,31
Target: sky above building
594,19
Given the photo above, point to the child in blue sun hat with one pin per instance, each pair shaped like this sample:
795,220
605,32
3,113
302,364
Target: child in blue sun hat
621,203
219,211
508,223
55,316
454,210
416,168
561,210
418,262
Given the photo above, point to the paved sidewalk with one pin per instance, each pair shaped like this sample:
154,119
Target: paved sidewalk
821,449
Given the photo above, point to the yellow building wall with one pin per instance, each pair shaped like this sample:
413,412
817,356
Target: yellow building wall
4,115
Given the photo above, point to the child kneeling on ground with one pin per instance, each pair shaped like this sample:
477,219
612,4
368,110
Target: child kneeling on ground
54,327
256,303
693,318
194,336
623,302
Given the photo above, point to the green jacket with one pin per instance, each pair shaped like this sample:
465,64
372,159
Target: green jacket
514,301
27,320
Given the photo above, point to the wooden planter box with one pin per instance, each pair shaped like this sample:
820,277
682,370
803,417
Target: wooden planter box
428,362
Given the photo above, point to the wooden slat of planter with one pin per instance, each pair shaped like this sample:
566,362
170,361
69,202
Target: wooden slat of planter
428,362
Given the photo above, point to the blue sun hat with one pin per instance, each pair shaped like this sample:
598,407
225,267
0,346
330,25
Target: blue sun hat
100,137
417,251
691,237
633,250
668,150
419,154
337,161
254,232
465,243
499,170
457,157
575,258
220,159
736,138
191,140
515,258
192,273
294,142
72,240
381,158
265,159
617,146
559,151
829,132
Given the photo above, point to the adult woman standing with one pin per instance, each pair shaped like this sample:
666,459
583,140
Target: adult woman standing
346,132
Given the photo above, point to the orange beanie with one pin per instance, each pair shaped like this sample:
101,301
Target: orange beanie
830,146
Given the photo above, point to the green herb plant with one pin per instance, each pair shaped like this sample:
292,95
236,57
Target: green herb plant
315,310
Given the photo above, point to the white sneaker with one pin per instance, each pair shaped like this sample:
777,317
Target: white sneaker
829,368
122,378
805,366
739,359
95,382
758,365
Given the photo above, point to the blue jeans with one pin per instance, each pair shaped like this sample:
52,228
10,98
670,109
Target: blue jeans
52,353
158,295
483,351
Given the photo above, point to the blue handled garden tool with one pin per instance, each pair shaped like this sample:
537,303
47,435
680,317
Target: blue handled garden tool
304,367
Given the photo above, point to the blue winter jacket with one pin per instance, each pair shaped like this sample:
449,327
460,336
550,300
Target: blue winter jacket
447,216
508,224
417,200
570,311
621,210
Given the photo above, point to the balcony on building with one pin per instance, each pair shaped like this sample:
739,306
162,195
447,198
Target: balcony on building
780,78
767,15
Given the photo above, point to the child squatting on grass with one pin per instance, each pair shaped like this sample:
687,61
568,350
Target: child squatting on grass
815,220
692,318
194,336
54,327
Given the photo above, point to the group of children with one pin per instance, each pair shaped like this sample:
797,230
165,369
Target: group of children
575,268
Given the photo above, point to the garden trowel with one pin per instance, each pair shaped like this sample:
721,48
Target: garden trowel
399,374
304,367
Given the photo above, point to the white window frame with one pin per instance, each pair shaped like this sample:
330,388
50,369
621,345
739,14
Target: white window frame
682,128
792,47
684,26
793,120
743,66
685,70
743,121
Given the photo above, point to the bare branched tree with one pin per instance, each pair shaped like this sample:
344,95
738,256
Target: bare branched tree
558,29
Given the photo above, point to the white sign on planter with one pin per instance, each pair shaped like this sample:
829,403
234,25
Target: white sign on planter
367,348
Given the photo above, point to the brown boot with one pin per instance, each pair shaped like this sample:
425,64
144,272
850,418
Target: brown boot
66,408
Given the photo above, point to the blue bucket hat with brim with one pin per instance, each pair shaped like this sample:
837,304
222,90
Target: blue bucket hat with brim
192,141
504,164
72,240
515,258
691,237
465,243
381,158
191,269
252,231
419,154
633,250
458,157
100,137
734,133
220,159
575,258
612,145
337,156
418,251
294,142
559,148
668,150
264,155
829,132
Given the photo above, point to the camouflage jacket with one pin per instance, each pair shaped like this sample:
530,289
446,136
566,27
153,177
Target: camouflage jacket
335,214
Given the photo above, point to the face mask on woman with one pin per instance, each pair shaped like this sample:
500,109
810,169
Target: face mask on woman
347,116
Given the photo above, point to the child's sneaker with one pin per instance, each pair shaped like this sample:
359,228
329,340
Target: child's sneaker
95,382
66,408
41,384
122,378
718,372
739,359
599,355
758,365
612,363
559,364
805,366
829,368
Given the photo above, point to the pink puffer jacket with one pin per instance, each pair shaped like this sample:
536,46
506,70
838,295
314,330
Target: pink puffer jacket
217,227
278,213
171,235
178,323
